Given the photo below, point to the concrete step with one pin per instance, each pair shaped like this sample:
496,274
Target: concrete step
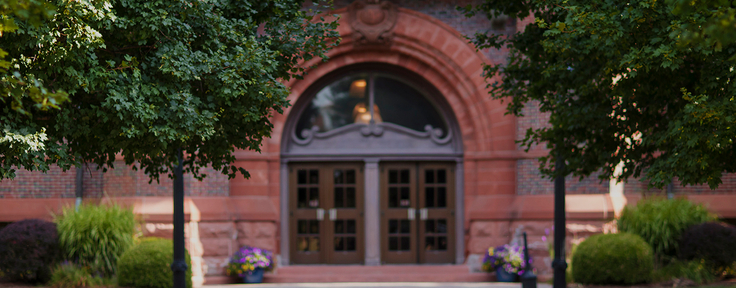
384,273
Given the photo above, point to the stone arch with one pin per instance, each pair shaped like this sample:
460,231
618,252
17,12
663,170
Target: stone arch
439,54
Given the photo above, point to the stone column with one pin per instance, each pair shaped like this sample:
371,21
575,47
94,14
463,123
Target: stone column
284,221
372,213
459,212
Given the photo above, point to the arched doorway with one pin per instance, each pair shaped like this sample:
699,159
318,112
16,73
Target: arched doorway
371,171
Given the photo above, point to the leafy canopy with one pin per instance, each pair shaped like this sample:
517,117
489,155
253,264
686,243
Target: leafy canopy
147,78
643,83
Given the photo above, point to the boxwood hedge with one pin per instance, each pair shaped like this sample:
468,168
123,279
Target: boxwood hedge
605,259
148,265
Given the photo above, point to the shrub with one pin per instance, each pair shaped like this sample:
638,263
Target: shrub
693,270
713,242
70,276
95,236
613,259
28,249
661,222
148,265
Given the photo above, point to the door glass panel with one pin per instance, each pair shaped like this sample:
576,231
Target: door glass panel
307,239
393,243
338,176
405,243
350,229
313,176
435,231
301,177
345,235
441,176
429,243
393,226
405,226
350,197
301,197
350,243
399,235
393,197
429,176
314,197
404,200
339,198
350,177
442,243
429,227
429,196
441,226
405,176
441,197
393,177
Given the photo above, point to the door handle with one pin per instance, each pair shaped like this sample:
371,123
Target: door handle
333,214
423,213
411,213
320,214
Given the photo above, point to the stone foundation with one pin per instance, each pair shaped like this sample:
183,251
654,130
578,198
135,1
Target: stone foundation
221,239
486,234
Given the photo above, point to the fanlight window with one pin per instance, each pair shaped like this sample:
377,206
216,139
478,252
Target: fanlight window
370,98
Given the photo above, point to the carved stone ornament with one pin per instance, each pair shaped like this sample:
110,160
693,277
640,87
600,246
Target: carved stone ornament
372,21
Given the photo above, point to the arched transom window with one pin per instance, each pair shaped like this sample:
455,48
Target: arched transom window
348,101
371,113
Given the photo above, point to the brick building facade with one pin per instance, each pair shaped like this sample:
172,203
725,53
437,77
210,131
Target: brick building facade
498,188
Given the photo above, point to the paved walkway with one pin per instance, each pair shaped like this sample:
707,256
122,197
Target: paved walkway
380,285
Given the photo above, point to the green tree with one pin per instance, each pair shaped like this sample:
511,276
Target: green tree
622,84
17,88
147,78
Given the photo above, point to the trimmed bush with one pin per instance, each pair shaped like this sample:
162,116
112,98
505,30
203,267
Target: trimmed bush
605,259
660,222
713,242
28,249
95,236
148,265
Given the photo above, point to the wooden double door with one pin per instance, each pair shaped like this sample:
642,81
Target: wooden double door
417,217
417,213
326,211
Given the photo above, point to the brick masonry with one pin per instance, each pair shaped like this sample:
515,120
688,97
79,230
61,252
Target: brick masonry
120,182
638,187
531,182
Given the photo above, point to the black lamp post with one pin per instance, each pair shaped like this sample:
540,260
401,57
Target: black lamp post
558,264
179,266
528,279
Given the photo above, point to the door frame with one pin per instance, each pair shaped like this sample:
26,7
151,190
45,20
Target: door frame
371,200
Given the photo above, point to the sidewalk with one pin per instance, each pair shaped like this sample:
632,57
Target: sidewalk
381,285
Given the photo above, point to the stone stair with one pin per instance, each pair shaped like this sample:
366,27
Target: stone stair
384,273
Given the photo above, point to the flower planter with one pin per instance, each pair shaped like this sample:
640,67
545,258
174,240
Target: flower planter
503,276
255,276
